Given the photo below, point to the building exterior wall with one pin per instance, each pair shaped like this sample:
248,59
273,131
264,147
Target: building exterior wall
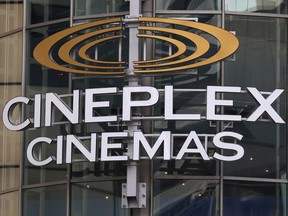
254,185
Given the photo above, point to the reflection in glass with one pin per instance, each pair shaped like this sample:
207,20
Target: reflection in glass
188,4
274,6
108,51
261,58
10,79
42,80
10,143
187,102
39,78
48,173
9,204
43,11
185,197
259,62
192,164
97,198
87,170
164,49
11,15
265,151
254,199
45,201
91,7
11,59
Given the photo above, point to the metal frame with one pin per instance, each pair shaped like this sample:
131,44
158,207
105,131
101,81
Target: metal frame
14,31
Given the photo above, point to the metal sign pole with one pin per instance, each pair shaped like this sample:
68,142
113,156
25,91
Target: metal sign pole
133,192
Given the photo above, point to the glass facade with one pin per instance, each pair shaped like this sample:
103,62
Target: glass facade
255,185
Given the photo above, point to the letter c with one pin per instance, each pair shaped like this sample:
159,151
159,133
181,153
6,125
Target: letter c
30,156
7,114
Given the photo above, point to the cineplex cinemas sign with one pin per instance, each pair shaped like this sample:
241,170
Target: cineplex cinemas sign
84,104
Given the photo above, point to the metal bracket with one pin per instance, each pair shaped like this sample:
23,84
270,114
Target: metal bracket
134,202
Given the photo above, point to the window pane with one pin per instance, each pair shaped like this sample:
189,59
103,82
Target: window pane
9,204
265,151
97,198
254,199
51,172
47,10
188,4
11,15
261,62
187,103
91,170
91,7
108,51
45,201
11,59
10,143
185,197
272,6
39,80
261,58
10,79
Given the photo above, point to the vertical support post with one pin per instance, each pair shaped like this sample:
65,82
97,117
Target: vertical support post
132,192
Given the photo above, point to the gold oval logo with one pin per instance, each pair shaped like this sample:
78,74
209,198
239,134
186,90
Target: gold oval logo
73,51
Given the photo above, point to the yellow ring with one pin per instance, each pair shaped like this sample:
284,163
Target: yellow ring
42,51
228,43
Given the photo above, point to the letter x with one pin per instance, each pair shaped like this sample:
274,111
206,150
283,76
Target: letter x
265,105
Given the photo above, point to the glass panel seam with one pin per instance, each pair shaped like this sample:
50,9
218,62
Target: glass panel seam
47,23
14,31
44,184
255,179
188,12
257,14
9,190
99,179
188,177
100,16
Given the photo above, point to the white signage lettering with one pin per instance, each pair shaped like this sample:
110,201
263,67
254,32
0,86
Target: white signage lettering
7,114
164,138
212,103
112,145
265,105
90,104
169,115
128,103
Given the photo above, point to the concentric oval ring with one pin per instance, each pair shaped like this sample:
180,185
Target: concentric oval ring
83,50
65,49
228,44
201,43
180,46
43,51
